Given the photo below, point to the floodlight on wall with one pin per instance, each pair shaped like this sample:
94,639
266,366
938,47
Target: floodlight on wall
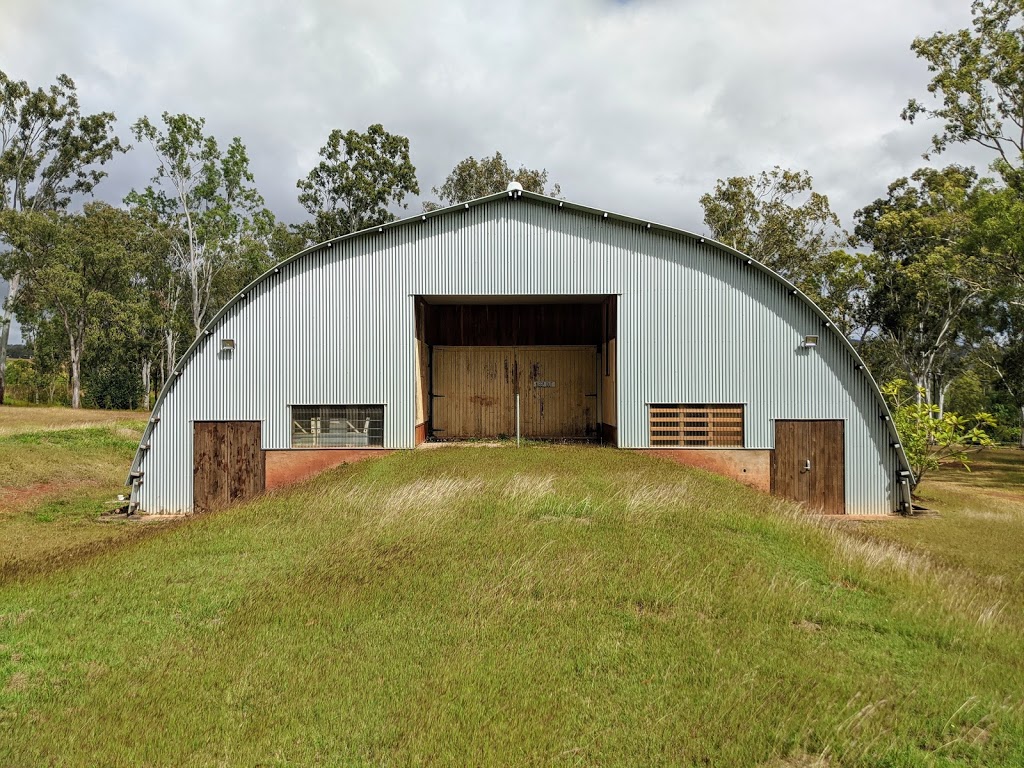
809,341
227,344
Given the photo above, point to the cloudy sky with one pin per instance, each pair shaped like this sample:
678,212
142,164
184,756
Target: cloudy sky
636,106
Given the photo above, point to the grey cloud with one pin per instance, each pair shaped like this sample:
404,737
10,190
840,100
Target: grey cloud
637,106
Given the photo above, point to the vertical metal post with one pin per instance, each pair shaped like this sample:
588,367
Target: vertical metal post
517,419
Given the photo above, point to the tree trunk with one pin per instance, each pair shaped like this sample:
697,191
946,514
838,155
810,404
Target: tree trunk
76,375
170,342
1021,443
6,315
146,382
920,384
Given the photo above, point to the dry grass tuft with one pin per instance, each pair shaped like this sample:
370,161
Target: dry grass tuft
800,761
881,555
18,683
653,496
1011,515
526,490
427,499
15,420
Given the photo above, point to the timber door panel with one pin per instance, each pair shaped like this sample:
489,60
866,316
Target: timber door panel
474,391
809,464
227,463
558,391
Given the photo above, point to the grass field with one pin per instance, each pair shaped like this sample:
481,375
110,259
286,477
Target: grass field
44,419
552,605
60,470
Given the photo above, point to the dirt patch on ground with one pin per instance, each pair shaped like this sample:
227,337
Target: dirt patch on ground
17,499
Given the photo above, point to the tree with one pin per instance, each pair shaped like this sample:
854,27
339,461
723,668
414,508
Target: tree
925,293
49,151
360,175
208,202
929,437
978,78
472,178
778,219
996,240
77,270
1003,354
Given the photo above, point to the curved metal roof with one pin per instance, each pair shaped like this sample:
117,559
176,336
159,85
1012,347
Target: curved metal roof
827,322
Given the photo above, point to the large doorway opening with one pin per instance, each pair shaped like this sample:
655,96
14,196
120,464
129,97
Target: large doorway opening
478,356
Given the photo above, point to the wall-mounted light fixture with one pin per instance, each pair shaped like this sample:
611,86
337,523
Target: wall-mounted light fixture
809,341
227,344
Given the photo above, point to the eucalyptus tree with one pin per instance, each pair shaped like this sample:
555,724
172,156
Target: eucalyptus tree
78,270
777,218
49,152
927,290
472,178
1003,354
977,86
358,177
976,94
205,199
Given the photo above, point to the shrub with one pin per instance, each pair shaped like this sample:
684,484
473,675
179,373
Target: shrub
928,438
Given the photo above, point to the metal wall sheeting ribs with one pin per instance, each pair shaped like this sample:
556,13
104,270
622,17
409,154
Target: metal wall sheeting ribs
696,324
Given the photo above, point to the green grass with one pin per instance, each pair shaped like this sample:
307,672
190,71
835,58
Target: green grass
54,485
981,517
551,605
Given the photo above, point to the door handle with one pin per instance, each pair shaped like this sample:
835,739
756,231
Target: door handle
807,466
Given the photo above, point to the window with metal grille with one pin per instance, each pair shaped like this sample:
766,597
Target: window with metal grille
337,426
696,426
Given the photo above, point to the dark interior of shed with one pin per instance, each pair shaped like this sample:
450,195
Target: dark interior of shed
478,356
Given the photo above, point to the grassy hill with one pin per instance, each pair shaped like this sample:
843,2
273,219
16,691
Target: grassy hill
549,605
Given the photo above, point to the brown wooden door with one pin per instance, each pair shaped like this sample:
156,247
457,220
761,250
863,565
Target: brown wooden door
227,463
809,464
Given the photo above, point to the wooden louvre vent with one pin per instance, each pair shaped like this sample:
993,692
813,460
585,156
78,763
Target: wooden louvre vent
696,426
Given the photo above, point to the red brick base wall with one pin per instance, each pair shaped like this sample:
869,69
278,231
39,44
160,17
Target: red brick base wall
753,468
285,467
421,433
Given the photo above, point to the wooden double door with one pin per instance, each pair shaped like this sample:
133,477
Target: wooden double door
473,391
809,464
228,463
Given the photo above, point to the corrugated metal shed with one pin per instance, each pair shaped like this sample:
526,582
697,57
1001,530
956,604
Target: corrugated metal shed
697,322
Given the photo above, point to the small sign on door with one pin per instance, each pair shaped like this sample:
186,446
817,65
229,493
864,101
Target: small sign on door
543,383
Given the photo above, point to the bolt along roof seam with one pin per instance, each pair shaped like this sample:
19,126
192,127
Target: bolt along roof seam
599,213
